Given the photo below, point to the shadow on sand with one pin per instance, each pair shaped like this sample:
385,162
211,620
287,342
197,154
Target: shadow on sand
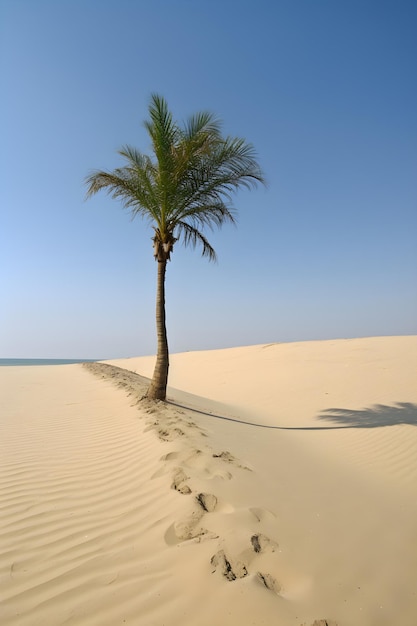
375,416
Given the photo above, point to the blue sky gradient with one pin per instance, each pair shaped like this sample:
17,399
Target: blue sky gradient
327,93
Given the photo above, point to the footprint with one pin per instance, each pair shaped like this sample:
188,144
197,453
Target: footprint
178,481
261,543
180,532
225,456
190,526
171,456
269,582
187,528
166,434
207,501
189,458
229,458
231,570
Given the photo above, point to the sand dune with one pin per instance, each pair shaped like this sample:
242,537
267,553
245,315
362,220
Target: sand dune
277,486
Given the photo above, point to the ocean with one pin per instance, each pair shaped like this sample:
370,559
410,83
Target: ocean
22,362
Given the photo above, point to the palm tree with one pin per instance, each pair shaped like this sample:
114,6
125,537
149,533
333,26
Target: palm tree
185,186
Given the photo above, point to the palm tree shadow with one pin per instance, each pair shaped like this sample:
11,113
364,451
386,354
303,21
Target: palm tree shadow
374,417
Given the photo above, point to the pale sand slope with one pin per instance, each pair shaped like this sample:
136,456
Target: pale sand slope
114,514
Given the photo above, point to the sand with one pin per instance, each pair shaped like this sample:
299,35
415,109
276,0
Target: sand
276,486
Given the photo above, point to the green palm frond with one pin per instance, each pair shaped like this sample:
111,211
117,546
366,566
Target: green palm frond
209,215
192,236
202,124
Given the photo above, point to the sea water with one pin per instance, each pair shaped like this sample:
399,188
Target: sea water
23,362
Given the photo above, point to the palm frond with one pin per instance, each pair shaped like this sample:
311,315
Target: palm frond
192,236
162,130
202,124
120,185
143,174
230,164
135,158
209,215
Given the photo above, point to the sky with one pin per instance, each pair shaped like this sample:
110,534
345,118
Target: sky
325,90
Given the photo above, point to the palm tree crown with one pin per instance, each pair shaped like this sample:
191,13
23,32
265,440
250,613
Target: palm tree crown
184,188
186,185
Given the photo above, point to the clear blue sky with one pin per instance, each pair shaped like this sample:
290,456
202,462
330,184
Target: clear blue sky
325,90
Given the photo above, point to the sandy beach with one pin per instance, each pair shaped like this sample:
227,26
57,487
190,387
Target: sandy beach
276,486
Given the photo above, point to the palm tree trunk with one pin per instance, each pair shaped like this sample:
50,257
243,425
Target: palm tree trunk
158,386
